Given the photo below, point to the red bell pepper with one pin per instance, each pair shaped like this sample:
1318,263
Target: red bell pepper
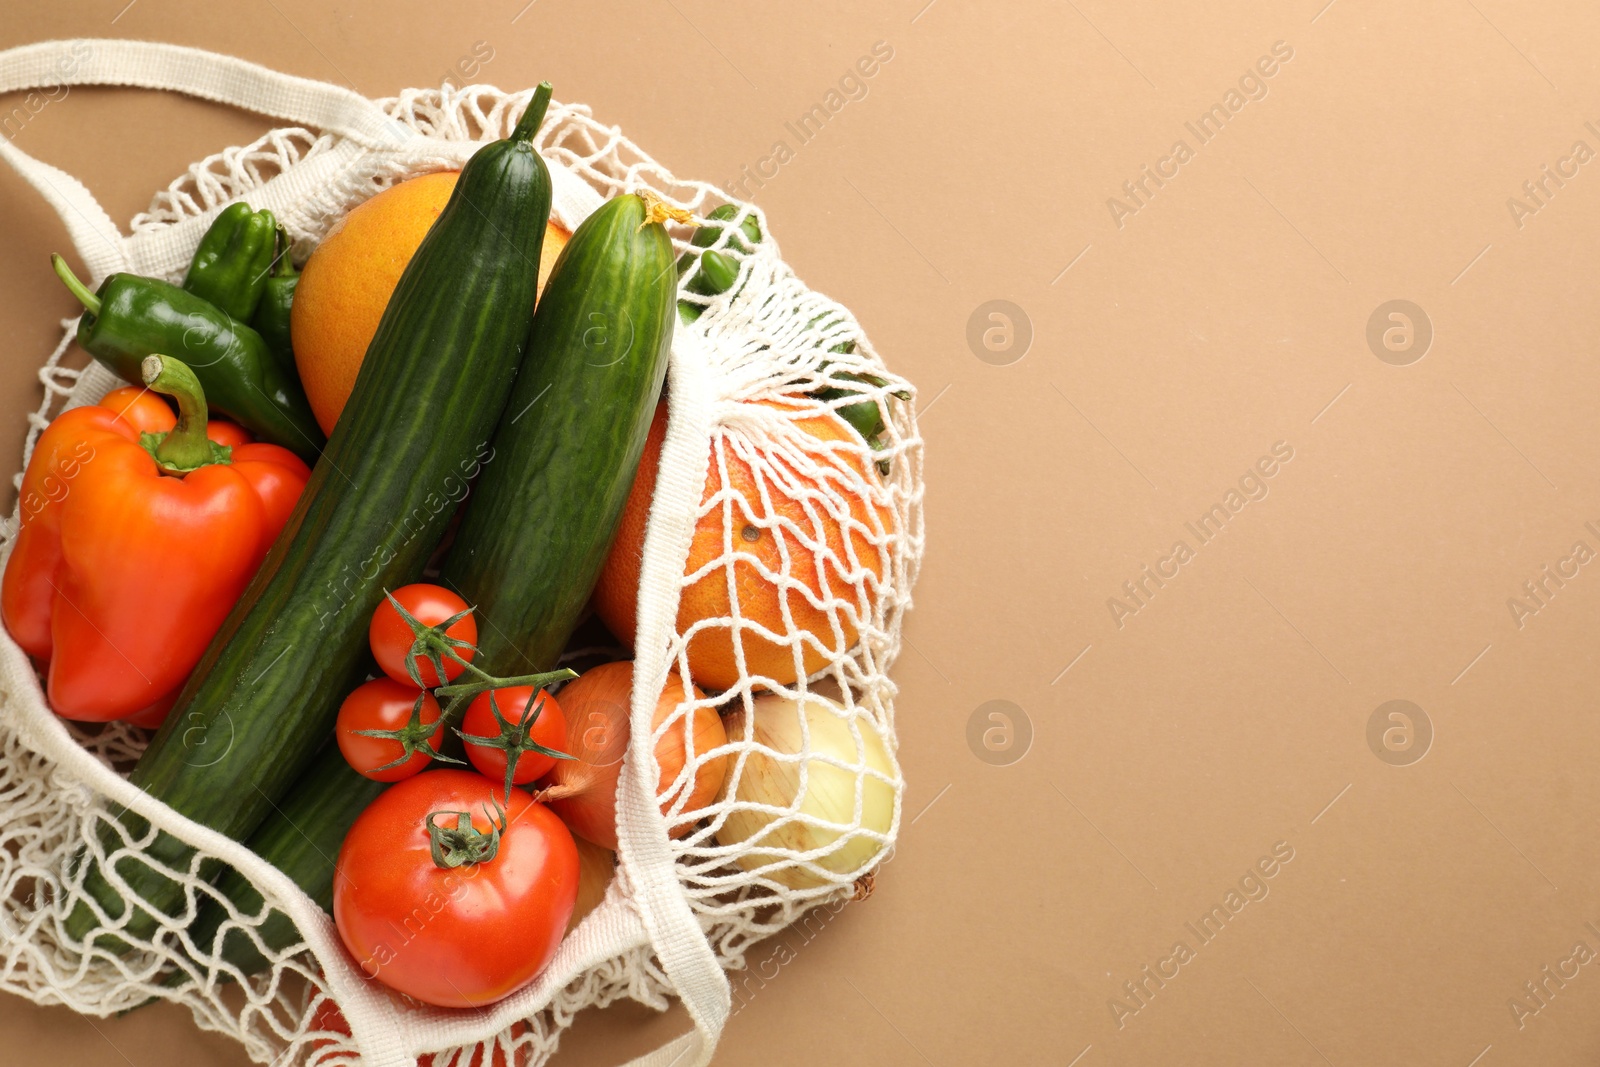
139,532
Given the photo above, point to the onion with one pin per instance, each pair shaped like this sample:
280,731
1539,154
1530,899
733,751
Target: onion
596,868
583,791
792,825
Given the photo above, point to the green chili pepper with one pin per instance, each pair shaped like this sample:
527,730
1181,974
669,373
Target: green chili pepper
866,416
718,269
233,259
271,320
131,317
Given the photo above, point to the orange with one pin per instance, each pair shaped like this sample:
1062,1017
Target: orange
350,276
823,573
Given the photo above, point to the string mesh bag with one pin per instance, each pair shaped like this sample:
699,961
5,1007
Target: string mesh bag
752,392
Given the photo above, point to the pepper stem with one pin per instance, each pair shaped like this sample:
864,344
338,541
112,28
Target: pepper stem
533,118
70,280
284,266
186,447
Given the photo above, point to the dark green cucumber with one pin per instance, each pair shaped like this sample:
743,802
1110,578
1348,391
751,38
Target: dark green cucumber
543,514
301,838
415,431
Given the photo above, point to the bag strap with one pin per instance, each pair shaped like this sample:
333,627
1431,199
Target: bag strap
671,924
51,65
361,129
646,851
197,72
671,1054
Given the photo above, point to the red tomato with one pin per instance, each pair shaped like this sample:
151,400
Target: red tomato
549,729
328,1019
385,704
460,937
392,638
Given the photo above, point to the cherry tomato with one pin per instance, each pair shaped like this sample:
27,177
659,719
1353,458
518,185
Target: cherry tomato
463,936
392,639
385,704
549,729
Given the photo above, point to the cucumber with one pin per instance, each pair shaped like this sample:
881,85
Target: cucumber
301,838
543,514
415,431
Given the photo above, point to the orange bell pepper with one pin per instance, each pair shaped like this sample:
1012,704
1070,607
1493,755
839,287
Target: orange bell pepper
139,533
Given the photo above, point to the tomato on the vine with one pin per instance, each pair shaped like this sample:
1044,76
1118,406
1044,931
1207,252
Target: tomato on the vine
392,638
527,718
383,733
443,894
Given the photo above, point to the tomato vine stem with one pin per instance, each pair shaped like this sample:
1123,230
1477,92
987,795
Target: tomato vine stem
434,644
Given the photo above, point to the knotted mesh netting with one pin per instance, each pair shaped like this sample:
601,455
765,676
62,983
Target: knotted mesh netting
781,549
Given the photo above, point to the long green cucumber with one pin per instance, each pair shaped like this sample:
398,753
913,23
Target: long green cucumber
542,516
416,429
301,837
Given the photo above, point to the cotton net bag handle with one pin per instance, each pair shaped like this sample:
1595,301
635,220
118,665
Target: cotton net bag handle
674,932
147,65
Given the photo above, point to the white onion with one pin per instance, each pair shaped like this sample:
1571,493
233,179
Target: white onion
771,839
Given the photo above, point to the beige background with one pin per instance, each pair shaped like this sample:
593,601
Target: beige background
1227,314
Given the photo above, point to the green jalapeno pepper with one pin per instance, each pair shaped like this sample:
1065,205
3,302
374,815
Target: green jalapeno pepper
232,261
866,416
271,319
718,269
131,317
718,272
